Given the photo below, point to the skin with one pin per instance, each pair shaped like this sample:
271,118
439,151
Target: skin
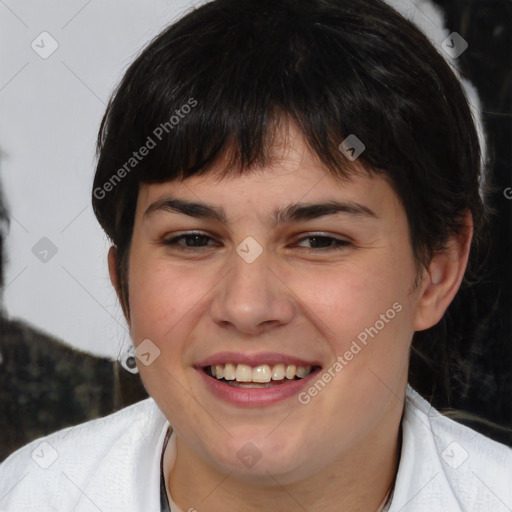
339,451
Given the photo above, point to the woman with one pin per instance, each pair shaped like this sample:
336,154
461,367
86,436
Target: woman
292,192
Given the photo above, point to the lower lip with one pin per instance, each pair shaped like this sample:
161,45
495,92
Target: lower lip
255,397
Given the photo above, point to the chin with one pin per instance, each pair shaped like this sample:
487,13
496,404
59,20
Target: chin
250,457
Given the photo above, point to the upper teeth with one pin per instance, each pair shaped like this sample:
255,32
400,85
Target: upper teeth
261,373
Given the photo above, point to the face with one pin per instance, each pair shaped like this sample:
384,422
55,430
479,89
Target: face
318,303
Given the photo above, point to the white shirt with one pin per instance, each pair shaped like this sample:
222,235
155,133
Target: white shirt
113,464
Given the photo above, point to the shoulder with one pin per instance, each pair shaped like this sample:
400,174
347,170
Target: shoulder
449,465
98,432
480,448
97,459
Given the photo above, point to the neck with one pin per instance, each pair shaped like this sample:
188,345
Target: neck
357,483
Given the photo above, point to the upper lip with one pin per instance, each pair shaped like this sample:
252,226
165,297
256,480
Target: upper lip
257,359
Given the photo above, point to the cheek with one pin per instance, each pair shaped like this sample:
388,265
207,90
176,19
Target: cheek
162,300
365,314
160,296
348,299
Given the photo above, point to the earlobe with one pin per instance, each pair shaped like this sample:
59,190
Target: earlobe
443,278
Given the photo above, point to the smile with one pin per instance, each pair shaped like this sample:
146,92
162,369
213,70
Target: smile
256,380
263,375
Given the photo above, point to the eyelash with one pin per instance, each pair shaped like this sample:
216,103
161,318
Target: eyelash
339,244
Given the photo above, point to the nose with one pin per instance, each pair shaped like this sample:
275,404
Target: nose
253,297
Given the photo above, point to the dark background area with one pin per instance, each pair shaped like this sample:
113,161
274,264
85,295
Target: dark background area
478,379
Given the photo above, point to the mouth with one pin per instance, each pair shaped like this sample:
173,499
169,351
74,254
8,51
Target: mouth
260,376
256,380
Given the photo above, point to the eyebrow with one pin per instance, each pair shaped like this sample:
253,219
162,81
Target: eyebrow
295,212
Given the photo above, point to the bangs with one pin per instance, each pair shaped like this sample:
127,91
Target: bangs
203,95
261,143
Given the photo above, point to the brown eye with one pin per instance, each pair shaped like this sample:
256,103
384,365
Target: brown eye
325,242
191,241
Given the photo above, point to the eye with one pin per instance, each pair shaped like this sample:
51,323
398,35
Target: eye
325,242
197,241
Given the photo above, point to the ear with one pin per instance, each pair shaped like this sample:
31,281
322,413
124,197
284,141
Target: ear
115,280
443,278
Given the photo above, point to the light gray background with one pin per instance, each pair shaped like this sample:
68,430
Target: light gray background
50,111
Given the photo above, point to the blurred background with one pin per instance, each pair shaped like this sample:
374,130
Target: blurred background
61,328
